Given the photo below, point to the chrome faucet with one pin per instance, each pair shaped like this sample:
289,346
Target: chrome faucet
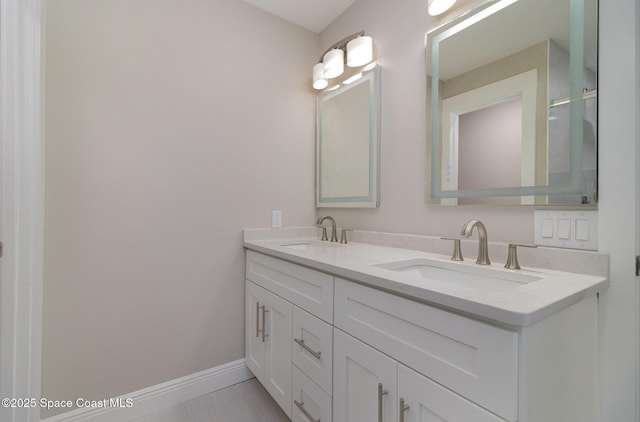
334,234
483,247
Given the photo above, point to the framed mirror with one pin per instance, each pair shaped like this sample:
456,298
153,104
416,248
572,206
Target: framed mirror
512,101
348,143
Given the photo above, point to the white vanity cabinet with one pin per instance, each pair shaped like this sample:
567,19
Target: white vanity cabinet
267,342
370,386
477,360
453,368
328,348
289,335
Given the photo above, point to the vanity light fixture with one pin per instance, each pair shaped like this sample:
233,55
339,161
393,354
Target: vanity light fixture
333,63
359,51
319,81
438,7
356,50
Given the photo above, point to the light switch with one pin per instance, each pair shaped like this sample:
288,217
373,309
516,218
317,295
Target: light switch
564,228
547,228
582,229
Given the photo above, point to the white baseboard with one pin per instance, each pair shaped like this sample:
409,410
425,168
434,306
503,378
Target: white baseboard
161,396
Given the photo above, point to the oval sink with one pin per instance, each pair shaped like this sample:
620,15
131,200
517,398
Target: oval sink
475,276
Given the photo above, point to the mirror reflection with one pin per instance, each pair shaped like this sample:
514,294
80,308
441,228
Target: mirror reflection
348,144
513,104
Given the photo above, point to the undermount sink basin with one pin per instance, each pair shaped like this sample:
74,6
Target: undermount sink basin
305,246
476,276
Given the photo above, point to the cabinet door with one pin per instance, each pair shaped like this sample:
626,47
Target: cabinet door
357,372
255,345
430,402
278,323
268,339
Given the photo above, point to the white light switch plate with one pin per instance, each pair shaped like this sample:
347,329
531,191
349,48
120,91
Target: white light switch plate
566,229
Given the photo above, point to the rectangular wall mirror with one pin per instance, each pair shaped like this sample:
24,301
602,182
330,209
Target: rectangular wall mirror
513,104
348,143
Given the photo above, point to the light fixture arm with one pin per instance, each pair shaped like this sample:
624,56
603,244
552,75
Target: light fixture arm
342,44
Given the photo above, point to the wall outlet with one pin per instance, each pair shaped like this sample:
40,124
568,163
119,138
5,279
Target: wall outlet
276,218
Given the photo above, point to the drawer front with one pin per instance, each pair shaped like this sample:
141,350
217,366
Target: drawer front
313,348
309,289
310,402
477,360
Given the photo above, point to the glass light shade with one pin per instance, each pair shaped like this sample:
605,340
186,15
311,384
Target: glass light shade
437,7
319,81
360,51
333,63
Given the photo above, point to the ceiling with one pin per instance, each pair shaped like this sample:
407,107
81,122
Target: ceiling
314,15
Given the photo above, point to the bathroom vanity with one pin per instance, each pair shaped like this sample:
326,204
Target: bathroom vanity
363,332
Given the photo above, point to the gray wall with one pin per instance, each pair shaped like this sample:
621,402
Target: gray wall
170,126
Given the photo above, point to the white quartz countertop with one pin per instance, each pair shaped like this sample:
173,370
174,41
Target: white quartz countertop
522,305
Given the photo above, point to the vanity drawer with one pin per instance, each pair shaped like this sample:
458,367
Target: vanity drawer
309,402
475,359
307,288
313,348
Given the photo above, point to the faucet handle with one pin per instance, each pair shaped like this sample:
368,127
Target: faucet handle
343,237
457,250
512,257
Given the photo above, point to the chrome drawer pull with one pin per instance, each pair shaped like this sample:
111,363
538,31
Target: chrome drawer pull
307,348
300,405
264,323
381,393
403,408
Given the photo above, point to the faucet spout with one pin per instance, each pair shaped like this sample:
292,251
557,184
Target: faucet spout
483,245
334,231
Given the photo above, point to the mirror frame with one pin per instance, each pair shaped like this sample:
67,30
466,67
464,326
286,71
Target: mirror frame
372,200
576,69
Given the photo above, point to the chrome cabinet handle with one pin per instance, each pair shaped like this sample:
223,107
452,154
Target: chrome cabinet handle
258,330
264,323
307,348
403,408
381,392
257,319
300,405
